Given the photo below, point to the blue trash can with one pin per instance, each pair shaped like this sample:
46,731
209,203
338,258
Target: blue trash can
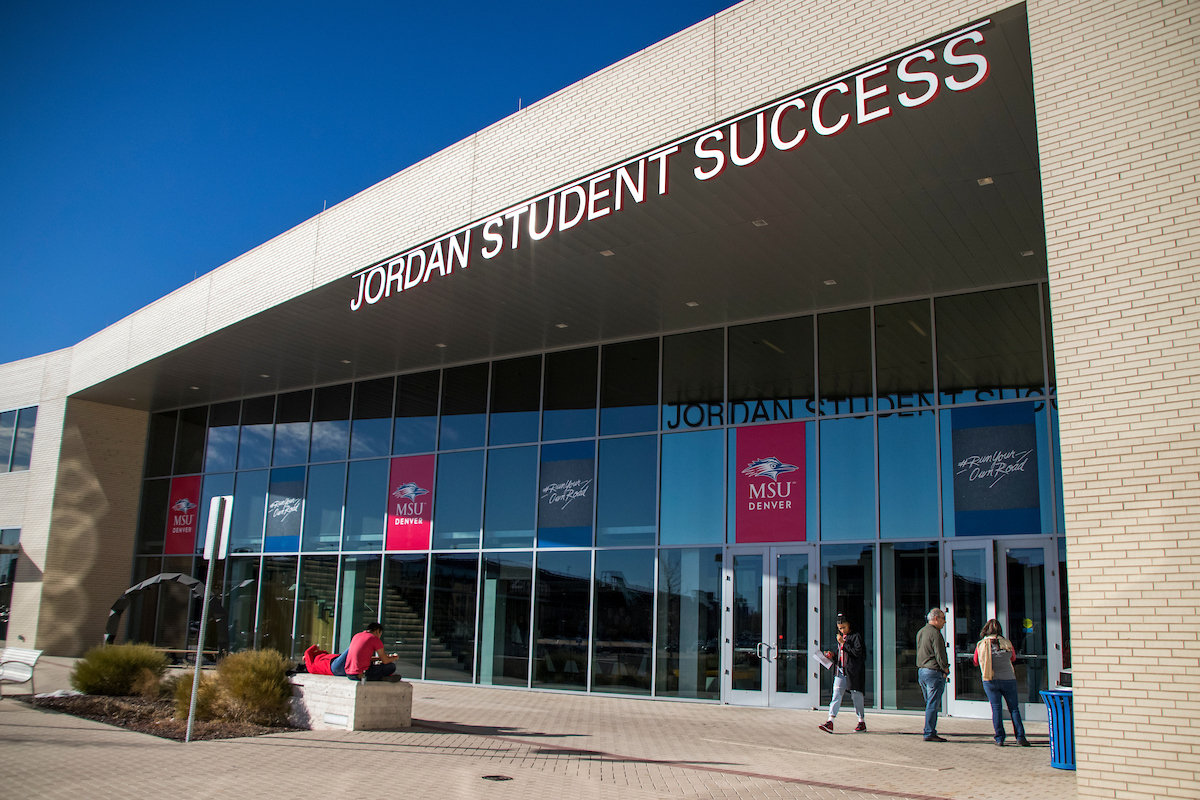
1060,708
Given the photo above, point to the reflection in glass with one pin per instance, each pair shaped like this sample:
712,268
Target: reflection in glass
908,589
143,606
285,503
904,355
1025,572
561,619
451,651
693,393
371,434
316,596
189,442
511,508
693,488
516,395
629,387
416,413
366,505
212,634
23,444
908,494
848,587
160,444
258,424
292,412
249,512
277,606
331,423
152,524
772,370
404,610
323,507
746,668
623,631
504,619
359,595
791,623
8,427
566,495
459,499
464,407
241,600
220,453
969,586
214,486
1063,603
989,345
626,491
689,623
570,395
847,491
171,631
844,361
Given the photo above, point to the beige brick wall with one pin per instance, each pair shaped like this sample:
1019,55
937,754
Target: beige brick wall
1116,93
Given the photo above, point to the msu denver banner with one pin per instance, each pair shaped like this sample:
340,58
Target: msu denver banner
183,515
995,470
410,503
771,483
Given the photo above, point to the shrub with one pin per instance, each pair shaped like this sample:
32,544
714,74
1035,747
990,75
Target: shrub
208,705
115,670
254,687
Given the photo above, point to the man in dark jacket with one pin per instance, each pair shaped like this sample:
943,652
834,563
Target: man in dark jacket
850,673
932,669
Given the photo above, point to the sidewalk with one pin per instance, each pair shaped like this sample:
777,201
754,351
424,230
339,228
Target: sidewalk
550,745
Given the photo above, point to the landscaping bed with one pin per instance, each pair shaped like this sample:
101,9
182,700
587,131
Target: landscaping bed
156,717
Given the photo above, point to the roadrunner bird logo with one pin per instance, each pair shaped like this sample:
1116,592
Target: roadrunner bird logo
409,491
770,467
183,505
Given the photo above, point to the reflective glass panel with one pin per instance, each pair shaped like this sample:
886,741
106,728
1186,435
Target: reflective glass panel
316,595
969,584
331,423
848,587
452,604
904,356
516,393
623,630
292,412
561,619
693,391
277,605
772,371
1025,574
844,361
459,499
8,427
220,454
464,407
174,599
323,507
847,488
746,670
416,411
152,524
570,395
214,486
626,491
241,600
23,446
258,423
189,441
285,504
249,512
566,494
909,581
989,345
692,509
1064,617
371,434
366,505
160,444
908,493
629,387
791,623
511,507
404,580
504,607
689,623
359,596
143,606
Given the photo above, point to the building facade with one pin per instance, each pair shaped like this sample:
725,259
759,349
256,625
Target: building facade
801,311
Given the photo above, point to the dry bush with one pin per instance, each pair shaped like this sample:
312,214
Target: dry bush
118,670
208,697
254,687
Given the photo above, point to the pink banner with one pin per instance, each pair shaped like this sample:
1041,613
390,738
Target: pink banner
771,484
410,503
183,516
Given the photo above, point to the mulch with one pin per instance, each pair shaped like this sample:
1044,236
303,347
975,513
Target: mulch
156,717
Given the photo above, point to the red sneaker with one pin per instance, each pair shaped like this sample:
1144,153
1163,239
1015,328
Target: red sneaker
827,727
861,727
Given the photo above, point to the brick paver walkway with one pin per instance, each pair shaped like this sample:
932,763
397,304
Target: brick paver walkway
551,745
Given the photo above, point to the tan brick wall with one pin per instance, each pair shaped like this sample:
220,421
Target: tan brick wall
90,552
1116,93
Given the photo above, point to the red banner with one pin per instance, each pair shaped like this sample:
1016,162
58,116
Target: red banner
183,516
410,503
771,483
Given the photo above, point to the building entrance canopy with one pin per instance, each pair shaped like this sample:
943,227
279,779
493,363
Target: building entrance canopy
910,175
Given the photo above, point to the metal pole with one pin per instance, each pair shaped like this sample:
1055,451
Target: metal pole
212,563
215,544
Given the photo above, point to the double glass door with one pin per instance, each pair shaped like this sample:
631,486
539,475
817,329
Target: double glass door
1015,582
771,625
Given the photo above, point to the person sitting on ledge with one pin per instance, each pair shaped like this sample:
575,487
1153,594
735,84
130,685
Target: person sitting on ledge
364,659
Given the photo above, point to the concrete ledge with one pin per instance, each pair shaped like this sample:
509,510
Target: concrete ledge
330,702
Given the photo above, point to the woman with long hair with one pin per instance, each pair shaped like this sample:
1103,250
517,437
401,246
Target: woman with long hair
995,656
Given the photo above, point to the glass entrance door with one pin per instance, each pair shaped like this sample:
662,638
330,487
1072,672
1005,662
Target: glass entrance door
770,622
1011,581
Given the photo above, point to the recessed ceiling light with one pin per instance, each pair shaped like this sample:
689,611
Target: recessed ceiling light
830,282
193,388
264,375
760,223
133,398
985,181
1027,253
607,253
691,304
345,361
561,325
439,344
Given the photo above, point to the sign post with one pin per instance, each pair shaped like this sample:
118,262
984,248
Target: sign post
220,513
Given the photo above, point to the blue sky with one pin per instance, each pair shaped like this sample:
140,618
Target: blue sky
144,143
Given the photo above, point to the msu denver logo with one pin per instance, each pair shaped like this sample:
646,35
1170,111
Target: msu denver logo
183,505
770,467
409,491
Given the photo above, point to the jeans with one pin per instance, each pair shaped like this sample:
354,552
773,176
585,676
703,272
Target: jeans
841,685
933,683
1007,690
338,665
375,672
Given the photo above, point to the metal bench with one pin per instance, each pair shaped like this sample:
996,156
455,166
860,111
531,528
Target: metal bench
16,666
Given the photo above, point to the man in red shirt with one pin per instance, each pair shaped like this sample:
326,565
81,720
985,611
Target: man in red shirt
364,648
